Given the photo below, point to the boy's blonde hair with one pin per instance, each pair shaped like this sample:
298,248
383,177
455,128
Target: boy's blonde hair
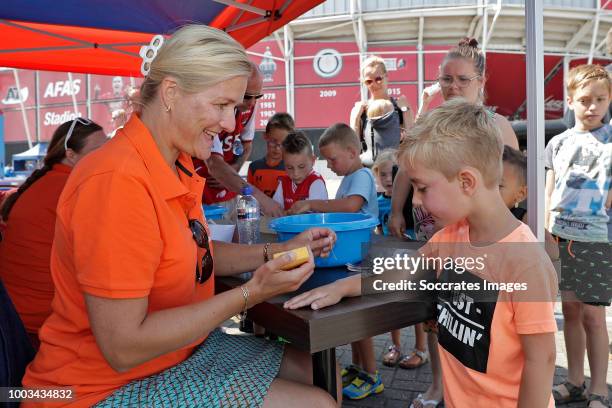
454,135
387,155
341,134
581,75
379,107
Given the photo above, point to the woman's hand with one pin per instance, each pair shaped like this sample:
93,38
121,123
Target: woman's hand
323,296
299,207
397,225
270,280
402,102
320,240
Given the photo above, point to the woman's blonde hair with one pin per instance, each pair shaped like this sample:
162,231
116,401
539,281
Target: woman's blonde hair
197,56
455,135
376,62
387,155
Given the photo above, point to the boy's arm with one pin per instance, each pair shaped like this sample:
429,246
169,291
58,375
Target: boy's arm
327,295
550,186
352,203
537,379
401,188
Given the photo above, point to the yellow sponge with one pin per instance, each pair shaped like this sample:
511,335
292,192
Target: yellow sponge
301,256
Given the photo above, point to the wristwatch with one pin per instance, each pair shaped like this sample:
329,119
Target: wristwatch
404,109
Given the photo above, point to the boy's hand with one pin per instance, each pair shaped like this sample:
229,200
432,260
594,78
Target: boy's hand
270,207
320,240
397,225
299,207
317,298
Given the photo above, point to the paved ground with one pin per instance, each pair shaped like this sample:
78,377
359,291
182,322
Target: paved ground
404,385
401,386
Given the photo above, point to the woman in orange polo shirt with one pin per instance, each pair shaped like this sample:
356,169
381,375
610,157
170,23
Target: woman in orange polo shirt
134,314
29,214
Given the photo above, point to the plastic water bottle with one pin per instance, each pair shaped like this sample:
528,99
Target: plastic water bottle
247,216
237,147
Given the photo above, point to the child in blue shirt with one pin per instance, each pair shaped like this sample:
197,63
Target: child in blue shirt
340,146
578,179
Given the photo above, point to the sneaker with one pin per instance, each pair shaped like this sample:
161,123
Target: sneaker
363,385
349,373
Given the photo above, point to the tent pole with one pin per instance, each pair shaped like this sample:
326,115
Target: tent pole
595,30
289,69
420,65
74,102
485,27
22,109
535,116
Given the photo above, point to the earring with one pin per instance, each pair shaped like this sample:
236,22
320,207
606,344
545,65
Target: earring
168,108
516,204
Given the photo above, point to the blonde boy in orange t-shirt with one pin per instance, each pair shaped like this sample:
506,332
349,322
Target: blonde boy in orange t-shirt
497,348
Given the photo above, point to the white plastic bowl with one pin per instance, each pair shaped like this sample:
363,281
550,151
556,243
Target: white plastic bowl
221,232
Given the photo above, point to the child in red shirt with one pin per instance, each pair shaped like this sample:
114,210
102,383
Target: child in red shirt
301,182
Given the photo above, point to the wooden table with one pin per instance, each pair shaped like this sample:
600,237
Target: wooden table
320,331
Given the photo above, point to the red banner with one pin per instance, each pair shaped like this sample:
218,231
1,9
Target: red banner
274,100
10,96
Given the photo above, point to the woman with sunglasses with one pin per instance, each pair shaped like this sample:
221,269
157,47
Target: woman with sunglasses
374,76
135,312
29,214
462,75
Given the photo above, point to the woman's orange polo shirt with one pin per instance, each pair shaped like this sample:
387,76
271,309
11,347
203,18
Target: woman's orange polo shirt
122,232
25,250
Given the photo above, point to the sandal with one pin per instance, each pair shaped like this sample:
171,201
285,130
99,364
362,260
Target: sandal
568,392
598,398
414,360
430,403
392,356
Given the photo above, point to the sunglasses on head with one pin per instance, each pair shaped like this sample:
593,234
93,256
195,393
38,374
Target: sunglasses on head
201,238
369,82
248,97
84,122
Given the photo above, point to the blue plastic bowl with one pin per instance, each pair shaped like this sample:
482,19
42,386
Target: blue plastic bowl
214,212
352,230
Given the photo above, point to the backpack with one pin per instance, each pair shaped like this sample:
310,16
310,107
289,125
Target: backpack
380,133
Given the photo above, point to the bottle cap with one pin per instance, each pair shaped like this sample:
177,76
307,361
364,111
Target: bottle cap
246,190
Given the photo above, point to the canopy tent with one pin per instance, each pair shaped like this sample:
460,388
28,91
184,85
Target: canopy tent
104,37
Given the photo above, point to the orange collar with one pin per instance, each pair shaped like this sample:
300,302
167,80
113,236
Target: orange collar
188,185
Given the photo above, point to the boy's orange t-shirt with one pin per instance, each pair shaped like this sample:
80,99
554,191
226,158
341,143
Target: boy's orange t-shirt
479,341
265,177
122,232
25,250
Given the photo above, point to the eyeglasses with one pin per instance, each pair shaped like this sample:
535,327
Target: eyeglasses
272,144
369,82
248,97
84,122
201,238
462,82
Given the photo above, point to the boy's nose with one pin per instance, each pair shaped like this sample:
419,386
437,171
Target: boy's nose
416,199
